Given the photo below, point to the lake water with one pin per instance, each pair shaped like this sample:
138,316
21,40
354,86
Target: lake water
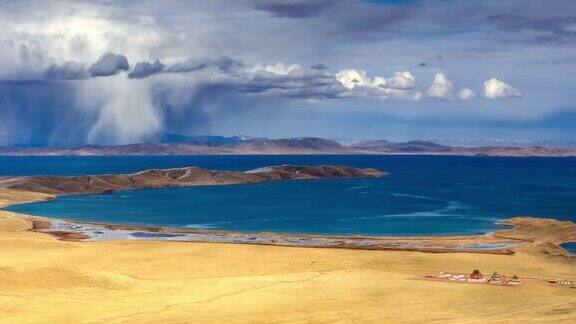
571,247
425,195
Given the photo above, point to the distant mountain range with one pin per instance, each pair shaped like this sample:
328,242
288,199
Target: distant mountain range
406,147
172,144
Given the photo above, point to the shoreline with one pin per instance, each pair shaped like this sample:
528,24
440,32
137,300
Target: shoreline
71,230
524,233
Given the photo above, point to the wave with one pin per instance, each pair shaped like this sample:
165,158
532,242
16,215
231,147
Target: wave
441,212
214,225
362,186
416,197
457,205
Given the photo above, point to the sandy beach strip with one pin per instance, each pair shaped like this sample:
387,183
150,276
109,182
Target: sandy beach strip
91,231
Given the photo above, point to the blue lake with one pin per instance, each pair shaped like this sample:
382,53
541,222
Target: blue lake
425,195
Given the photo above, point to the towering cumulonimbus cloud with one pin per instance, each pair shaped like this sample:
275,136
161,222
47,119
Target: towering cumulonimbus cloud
129,108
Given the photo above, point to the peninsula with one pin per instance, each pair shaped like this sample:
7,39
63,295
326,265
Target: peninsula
179,177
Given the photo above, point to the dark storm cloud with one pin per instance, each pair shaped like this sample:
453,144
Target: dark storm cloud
532,20
294,8
109,64
359,19
146,69
296,84
223,63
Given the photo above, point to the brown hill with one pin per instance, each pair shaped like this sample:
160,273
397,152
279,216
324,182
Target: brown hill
410,146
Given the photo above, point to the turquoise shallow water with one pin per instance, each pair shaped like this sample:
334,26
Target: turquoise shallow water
425,195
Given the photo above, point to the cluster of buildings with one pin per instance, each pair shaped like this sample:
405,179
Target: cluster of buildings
565,282
477,277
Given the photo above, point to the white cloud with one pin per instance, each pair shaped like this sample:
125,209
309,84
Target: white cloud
380,82
401,81
441,87
278,68
351,78
495,89
359,85
466,94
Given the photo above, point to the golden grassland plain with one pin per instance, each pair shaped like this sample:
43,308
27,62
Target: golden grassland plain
46,280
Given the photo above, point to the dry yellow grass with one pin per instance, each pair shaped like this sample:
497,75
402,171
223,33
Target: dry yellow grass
43,280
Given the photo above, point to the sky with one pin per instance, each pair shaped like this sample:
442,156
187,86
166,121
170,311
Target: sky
118,72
